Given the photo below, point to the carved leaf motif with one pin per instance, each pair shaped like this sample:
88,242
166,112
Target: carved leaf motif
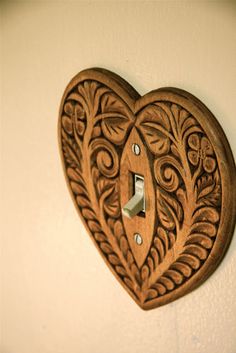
184,268
112,104
209,190
206,214
87,91
167,282
78,189
156,140
151,294
115,128
95,174
106,248
201,239
169,210
155,256
111,223
124,245
205,185
163,234
154,124
88,214
94,226
163,241
114,260
191,260
111,203
71,151
160,248
129,283
183,115
190,122
120,270
130,258
165,216
175,276
161,290
145,273
101,183
118,229
99,236
204,228
75,175
83,201
136,273
214,199
151,264
196,250
116,119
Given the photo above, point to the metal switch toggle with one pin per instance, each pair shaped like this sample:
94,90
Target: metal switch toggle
137,203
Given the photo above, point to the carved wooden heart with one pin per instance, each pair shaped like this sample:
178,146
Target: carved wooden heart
189,182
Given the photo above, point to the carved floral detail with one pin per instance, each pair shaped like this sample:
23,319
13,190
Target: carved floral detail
95,125
201,149
74,113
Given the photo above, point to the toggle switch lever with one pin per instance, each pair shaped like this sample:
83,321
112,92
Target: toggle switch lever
137,203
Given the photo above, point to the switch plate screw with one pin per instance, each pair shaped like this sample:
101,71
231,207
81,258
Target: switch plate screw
138,239
136,149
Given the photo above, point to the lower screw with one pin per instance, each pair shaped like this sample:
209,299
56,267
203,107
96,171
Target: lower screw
138,239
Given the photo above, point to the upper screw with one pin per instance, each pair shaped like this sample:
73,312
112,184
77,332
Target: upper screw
136,149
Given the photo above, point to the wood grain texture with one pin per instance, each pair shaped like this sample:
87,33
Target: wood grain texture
189,171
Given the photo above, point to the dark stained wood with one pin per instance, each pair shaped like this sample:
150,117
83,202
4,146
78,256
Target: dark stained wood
189,175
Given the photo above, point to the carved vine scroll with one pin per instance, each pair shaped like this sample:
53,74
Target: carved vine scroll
192,170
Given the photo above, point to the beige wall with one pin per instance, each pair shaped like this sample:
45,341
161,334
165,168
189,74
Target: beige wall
58,296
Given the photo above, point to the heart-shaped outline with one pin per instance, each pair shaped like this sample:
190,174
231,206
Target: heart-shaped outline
72,127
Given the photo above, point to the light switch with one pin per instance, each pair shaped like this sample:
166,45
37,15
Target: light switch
137,203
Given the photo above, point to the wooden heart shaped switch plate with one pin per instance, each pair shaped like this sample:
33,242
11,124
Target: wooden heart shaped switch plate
153,179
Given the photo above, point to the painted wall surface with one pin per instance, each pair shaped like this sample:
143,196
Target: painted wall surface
58,296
